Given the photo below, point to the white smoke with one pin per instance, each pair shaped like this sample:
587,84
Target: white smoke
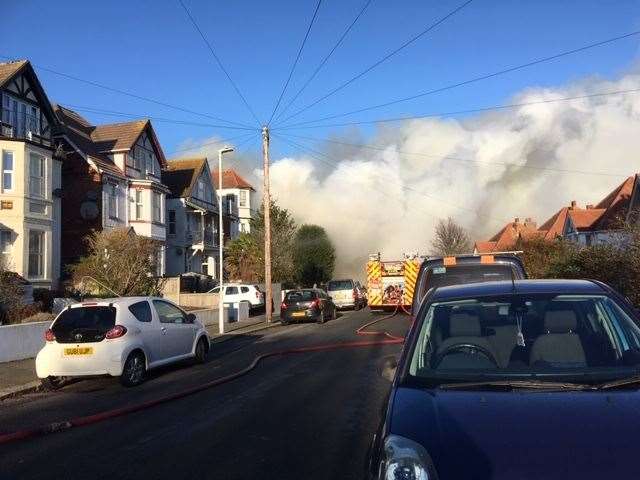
478,170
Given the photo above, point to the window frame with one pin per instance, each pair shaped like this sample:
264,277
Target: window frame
242,202
156,206
171,222
145,302
42,180
112,196
6,171
40,254
160,318
138,204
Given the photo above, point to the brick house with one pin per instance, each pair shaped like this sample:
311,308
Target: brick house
111,178
30,177
192,218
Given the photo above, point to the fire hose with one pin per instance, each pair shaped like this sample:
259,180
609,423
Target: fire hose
118,412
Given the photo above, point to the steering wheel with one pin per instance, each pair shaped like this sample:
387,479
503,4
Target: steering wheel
470,347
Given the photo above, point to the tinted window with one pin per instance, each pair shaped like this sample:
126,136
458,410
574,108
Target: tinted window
91,323
300,296
231,291
168,313
244,289
340,285
461,274
141,310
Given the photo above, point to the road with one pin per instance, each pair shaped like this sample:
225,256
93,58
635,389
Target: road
299,416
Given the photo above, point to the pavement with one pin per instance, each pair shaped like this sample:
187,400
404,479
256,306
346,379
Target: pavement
309,415
20,376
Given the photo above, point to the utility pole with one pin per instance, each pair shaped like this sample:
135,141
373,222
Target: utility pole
266,205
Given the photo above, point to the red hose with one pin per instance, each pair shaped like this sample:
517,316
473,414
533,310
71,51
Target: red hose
107,414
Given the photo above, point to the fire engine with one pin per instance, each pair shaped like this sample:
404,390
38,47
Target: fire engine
390,283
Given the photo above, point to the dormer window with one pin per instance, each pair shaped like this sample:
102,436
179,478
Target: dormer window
23,118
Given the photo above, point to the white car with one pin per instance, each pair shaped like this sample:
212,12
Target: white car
123,337
239,292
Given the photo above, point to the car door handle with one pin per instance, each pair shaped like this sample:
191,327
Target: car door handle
164,330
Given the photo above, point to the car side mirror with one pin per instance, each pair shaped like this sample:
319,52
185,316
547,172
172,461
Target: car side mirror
191,318
388,367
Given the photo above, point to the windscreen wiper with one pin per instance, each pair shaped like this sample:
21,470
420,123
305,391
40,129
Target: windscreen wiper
508,385
623,382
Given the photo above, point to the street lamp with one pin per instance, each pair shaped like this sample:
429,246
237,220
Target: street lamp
221,152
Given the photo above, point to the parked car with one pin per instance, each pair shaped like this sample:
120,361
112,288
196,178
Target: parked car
344,294
239,292
307,304
526,379
122,337
362,294
461,269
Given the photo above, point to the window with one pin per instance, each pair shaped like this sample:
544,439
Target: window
6,242
138,204
141,311
244,289
112,192
36,175
21,116
200,190
37,207
7,170
231,291
172,222
36,254
169,313
157,207
243,198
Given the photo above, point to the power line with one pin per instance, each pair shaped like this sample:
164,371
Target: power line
206,144
213,53
155,119
402,186
293,67
128,94
458,159
324,60
476,79
462,112
382,60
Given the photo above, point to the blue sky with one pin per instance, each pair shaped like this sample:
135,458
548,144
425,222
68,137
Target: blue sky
149,48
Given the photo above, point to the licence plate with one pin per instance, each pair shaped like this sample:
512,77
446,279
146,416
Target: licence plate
298,314
78,351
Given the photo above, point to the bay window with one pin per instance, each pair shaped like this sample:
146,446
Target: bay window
7,170
112,201
37,169
6,242
36,254
138,204
157,207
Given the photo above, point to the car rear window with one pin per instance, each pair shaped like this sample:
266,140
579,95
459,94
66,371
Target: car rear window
141,310
84,324
300,296
462,274
340,285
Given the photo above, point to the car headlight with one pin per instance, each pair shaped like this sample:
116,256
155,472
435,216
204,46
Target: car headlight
404,459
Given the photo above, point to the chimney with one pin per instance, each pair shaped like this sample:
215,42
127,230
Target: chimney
573,204
516,220
590,206
528,222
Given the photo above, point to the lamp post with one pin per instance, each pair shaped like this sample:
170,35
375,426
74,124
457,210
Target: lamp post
221,152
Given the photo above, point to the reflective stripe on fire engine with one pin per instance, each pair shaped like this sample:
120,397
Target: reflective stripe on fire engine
374,272
411,269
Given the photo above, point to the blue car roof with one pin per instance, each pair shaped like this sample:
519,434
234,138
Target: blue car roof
521,286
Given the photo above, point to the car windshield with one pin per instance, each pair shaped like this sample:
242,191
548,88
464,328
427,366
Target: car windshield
556,337
462,274
334,285
300,296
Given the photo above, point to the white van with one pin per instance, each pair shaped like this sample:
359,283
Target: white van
343,293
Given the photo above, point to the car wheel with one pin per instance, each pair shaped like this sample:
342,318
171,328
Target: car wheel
134,370
51,383
284,321
202,350
321,318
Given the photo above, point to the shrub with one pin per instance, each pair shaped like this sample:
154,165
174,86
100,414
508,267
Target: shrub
44,297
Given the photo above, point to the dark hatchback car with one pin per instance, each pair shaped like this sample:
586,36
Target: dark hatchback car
460,269
530,379
307,304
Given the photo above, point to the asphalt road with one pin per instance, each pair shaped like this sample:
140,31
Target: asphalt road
301,416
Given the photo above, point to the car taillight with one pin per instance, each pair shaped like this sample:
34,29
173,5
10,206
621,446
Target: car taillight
355,294
49,336
283,306
315,303
116,332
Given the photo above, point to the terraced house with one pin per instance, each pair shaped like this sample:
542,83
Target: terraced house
30,180
111,178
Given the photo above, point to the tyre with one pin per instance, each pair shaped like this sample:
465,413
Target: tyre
134,370
284,321
202,350
51,383
321,318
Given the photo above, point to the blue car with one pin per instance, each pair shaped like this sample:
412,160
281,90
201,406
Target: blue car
522,379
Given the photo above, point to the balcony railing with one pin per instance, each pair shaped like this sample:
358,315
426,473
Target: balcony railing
206,238
23,126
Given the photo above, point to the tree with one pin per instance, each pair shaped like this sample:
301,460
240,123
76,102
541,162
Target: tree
450,238
118,262
313,255
246,253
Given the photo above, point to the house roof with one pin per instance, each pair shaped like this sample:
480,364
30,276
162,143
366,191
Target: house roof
181,175
117,136
508,236
554,227
616,205
485,247
585,219
231,179
9,69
